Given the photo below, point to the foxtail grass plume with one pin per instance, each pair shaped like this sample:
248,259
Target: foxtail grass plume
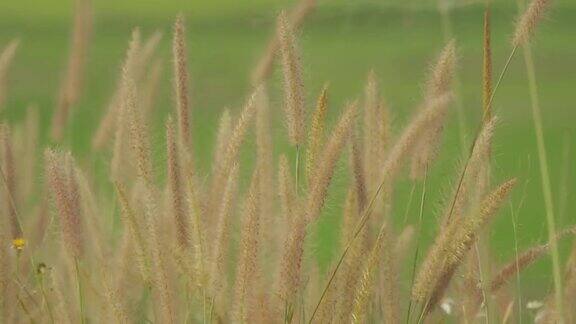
451,246
71,87
293,84
264,65
120,152
527,23
63,186
176,185
288,199
136,231
9,182
181,80
439,83
487,66
316,133
221,251
6,57
322,177
248,269
222,137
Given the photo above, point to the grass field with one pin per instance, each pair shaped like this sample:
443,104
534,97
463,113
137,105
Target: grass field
341,43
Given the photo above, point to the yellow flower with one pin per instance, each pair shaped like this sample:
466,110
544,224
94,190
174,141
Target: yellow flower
18,243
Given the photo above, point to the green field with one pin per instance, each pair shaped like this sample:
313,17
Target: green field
341,43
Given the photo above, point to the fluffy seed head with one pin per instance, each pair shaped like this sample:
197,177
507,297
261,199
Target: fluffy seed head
181,80
526,25
293,85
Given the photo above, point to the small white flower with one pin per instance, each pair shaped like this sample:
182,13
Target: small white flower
446,305
534,304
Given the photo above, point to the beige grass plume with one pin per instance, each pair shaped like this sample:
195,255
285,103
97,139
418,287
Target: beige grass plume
233,144
176,185
222,137
181,80
248,269
264,65
71,87
136,231
290,271
9,189
220,252
288,199
472,172
109,121
442,72
6,57
408,139
322,177
316,132
487,66
151,88
30,154
380,258
527,23
439,82
293,84
451,246
137,65
63,186
120,153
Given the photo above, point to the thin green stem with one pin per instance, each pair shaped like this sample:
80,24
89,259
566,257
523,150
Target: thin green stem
45,297
80,295
546,184
418,237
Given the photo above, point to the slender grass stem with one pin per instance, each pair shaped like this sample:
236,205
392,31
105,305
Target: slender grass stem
418,237
546,184
45,297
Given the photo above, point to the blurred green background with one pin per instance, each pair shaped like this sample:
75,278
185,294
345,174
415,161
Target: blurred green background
341,42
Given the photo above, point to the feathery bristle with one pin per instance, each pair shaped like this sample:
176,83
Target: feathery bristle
181,80
526,25
293,84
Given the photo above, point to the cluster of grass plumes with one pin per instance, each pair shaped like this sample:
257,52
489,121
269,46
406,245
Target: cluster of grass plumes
198,248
